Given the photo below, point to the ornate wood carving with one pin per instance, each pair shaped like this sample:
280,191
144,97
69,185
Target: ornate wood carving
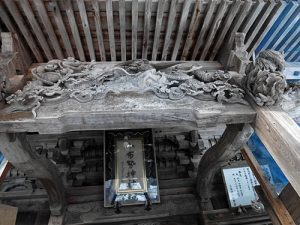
18,152
60,80
265,80
233,139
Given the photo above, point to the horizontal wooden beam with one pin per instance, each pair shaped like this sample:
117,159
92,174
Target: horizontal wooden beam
282,215
281,136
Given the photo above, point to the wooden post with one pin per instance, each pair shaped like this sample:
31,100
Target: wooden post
233,139
18,152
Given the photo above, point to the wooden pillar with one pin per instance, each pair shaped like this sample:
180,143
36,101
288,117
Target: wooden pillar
18,152
233,139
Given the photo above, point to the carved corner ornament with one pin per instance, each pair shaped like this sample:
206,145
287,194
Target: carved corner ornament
60,80
265,81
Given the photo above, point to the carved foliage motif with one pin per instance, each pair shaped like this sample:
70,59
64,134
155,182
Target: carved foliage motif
265,80
59,80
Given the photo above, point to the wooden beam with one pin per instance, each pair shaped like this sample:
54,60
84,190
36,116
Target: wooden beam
209,13
111,32
159,16
135,16
291,199
17,150
39,4
74,29
172,14
228,22
281,136
182,25
62,29
147,22
194,24
25,32
86,29
281,213
122,18
36,28
214,27
233,139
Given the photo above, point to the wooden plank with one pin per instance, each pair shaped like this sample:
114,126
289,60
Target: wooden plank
255,28
99,30
23,50
134,13
74,29
123,29
8,214
147,22
252,16
238,22
277,9
291,200
62,29
111,32
291,37
86,29
228,22
159,16
214,28
281,212
39,4
25,32
36,28
280,25
209,13
171,19
182,25
192,29
293,50
281,136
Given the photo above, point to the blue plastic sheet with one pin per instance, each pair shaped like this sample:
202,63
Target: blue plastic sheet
264,158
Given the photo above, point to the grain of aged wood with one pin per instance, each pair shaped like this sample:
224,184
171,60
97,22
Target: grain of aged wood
122,19
25,32
192,29
172,14
39,4
160,12
62,29
111,31
86,28
276,204
147,21
74,29
204,28
281,136
233,139
99,30
214,28
135,8
182,26
36,28
18,151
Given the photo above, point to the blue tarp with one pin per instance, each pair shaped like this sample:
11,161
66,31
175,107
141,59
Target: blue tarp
264,158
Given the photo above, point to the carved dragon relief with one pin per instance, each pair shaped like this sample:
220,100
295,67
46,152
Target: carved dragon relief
59,80
265,80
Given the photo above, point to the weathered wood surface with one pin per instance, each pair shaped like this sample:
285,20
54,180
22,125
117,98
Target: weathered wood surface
233,139
291,200
170,39
8,215
281,136
280,212
19,153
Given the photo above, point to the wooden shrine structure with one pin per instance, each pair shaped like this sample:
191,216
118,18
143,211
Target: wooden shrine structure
189,69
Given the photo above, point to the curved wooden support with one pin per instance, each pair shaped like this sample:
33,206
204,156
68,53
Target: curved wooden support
19,153
233,139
